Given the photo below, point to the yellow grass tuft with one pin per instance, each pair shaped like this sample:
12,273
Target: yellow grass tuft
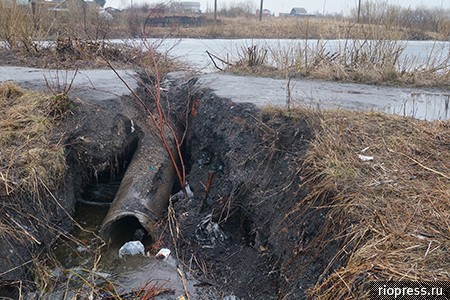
28,158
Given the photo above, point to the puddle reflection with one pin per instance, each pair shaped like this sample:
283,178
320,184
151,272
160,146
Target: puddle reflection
424,106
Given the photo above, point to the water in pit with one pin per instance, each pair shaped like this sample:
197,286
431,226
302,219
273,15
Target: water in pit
80,248
84,251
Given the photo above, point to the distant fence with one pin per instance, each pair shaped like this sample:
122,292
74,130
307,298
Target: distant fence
167,21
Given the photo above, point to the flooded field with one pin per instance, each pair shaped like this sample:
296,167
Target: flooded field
193,51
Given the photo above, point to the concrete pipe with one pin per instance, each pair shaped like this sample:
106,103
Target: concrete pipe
143,194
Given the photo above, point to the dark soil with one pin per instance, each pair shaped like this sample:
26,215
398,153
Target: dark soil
241,236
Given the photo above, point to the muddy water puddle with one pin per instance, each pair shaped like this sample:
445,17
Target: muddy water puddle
426,106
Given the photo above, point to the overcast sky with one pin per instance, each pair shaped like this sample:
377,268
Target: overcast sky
276,6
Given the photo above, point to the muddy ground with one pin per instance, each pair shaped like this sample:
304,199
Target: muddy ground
238,237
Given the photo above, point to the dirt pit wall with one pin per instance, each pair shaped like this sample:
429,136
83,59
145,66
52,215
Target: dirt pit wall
236,232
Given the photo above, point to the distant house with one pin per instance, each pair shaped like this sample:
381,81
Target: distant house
265,12
299,12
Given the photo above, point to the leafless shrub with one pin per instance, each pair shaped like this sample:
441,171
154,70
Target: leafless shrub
23,28
253,56
418,21
245,8
19,28
375,59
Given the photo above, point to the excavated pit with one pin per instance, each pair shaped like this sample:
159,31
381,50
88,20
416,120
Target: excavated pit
241,162
237,232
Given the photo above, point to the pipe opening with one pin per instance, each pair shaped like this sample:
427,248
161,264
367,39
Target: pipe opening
128,229
93,203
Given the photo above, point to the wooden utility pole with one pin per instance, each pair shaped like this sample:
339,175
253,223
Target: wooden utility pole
215,9
34,13
260,10
359,9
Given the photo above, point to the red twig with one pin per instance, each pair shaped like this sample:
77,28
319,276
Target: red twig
207,189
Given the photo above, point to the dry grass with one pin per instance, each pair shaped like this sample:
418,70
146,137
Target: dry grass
29,162
32,168
377,59
393,212
288,28
28,157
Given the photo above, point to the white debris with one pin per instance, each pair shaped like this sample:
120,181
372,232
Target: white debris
365,158
210,233
81,249
132,126
163,253
131,248
365,149
180,195
189,192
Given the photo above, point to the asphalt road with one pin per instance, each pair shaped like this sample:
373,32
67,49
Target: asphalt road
428,104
